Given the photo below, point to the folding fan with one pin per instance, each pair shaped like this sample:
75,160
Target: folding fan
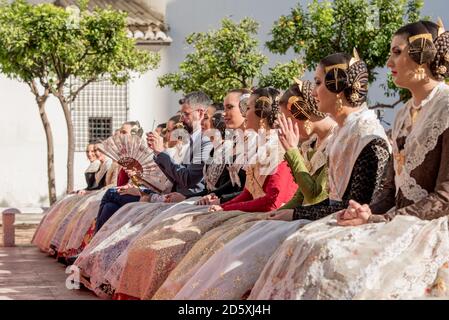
132,153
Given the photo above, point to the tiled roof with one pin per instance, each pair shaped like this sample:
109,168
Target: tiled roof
146,26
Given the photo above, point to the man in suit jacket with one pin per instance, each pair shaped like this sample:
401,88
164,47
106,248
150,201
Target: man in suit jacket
187,177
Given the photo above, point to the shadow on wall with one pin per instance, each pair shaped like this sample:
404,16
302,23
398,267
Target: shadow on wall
43,201
4,203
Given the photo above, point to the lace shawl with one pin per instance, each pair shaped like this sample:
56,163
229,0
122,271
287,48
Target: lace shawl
358,130
431,122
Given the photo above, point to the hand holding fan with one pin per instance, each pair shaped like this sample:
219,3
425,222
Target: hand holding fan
131,152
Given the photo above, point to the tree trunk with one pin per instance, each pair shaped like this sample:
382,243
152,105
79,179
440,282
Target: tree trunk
50,151
71,142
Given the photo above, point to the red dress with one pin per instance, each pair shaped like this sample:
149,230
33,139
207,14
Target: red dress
122,178
279,188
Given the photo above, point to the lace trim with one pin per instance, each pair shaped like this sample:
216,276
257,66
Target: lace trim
431,123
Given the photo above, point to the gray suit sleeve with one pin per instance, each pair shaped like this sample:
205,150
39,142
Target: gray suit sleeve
185,175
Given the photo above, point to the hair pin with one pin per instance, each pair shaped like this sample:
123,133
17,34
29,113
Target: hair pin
355,57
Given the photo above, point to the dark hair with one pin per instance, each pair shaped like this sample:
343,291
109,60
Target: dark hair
96,141
218,106
435,53
135,128
306,102
267,108
218,123
161,125
351,80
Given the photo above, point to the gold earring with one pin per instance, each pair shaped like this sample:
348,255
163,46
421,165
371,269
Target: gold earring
339,104
308,127
420,73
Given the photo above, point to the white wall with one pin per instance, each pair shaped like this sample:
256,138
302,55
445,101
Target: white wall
23,164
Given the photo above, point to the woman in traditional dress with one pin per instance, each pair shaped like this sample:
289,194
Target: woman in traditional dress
211,271
271,182
90,194
93,167
403,255
95,261
359,150
58,218
152,256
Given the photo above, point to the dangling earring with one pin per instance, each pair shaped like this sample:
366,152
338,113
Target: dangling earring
339,104
420,73
308,127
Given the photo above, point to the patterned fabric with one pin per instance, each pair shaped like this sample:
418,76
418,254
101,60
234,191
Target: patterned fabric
113,239
50,222
358,130
402,259
211,243
422,133
154,255
365,180
232,271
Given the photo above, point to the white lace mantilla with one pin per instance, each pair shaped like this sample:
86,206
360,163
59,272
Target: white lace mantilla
213,171
430,123
359,129
320,156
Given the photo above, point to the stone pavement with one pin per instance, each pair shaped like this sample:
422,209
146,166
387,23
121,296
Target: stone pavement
28,274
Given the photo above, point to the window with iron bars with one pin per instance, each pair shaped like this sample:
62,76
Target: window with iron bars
99,109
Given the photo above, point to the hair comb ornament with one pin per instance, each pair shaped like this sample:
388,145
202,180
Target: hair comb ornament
264,99
299,83
295,106
355,57
441,29
422,50
336,79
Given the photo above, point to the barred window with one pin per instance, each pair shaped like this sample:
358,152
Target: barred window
100,128
99,109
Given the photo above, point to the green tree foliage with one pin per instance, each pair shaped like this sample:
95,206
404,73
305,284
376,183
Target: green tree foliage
45,45
282,74
224,59
326,27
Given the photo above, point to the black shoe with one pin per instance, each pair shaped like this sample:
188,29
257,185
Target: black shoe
71,260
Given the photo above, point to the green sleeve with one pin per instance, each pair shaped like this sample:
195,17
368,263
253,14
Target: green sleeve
296,201
313,188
